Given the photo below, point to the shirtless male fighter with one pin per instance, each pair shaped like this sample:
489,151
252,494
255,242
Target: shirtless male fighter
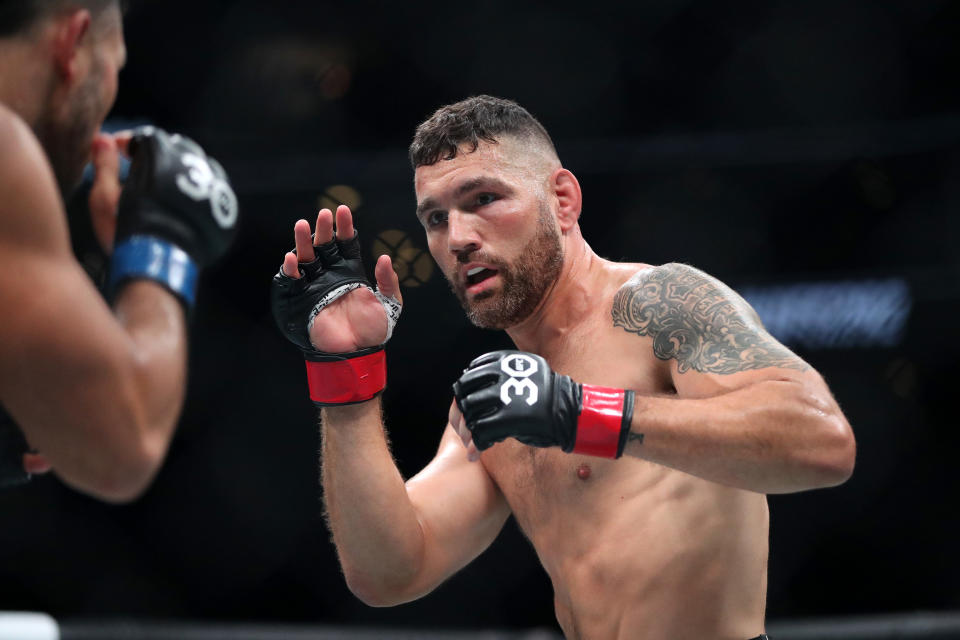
95,386
639,479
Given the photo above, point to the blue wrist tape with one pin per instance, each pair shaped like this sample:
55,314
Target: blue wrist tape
154,259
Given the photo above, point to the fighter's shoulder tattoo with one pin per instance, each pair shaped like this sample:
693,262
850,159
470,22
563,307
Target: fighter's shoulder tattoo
698,321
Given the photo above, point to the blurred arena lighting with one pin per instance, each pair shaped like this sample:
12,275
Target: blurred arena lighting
834,315
413,265
335,195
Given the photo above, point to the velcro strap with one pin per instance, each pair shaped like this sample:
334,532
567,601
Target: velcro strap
600,422
347,381
393,308
154,259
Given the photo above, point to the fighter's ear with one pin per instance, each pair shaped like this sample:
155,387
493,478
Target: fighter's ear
566,190
69,36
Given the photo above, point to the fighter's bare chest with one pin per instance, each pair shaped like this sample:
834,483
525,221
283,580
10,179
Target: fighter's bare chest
539,481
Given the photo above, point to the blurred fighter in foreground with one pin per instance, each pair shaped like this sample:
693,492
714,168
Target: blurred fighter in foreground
640,478
95,387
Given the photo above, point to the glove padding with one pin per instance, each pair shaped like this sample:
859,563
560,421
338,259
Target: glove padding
514,394
334,378
177,213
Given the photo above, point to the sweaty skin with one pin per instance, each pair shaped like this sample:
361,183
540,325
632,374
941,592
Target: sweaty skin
669,541
97,389
637,549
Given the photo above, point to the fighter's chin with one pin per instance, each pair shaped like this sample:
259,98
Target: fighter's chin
486,313
482,320
487,308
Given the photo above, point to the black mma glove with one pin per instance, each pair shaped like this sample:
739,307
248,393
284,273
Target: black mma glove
514,394
177,214
333,378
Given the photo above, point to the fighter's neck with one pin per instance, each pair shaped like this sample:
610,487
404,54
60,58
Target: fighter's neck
574,296
23,80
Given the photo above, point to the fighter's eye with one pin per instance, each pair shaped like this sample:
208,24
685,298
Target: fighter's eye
436,217
485,198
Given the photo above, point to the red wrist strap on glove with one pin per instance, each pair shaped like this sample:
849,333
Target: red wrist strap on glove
604,421
347,381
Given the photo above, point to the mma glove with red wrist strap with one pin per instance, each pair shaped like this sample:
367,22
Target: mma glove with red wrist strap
513,394
333,378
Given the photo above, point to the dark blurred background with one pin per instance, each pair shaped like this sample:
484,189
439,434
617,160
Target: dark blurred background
806,153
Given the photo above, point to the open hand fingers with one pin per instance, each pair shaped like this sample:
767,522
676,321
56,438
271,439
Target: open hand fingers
323,233
324,228
290,267
303,241
387,281
345,229
105,193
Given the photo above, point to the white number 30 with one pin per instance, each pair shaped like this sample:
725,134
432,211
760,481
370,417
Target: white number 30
200,183
519,367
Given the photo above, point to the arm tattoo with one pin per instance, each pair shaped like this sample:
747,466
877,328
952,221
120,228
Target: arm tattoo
698,321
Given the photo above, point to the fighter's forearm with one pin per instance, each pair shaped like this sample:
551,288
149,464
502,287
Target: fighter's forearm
776,436
156,324
113,449
375,527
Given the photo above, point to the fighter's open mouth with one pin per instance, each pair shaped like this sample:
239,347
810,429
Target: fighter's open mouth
479,274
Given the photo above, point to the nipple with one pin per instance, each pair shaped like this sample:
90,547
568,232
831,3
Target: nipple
583,471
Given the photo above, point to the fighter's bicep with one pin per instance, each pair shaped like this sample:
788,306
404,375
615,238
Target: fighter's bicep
58,341
710,335
461,509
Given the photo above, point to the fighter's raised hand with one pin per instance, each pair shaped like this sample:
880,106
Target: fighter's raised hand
355,320
323,303
176,214
105,194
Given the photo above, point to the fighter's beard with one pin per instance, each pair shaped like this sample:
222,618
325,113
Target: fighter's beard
67,140
524,283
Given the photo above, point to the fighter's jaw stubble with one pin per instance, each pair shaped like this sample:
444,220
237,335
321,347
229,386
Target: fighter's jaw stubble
523,285
67,139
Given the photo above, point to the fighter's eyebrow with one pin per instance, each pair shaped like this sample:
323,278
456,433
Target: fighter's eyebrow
482,181
466,187
425,206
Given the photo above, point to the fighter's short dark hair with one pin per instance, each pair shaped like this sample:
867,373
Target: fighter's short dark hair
16,16
480,118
